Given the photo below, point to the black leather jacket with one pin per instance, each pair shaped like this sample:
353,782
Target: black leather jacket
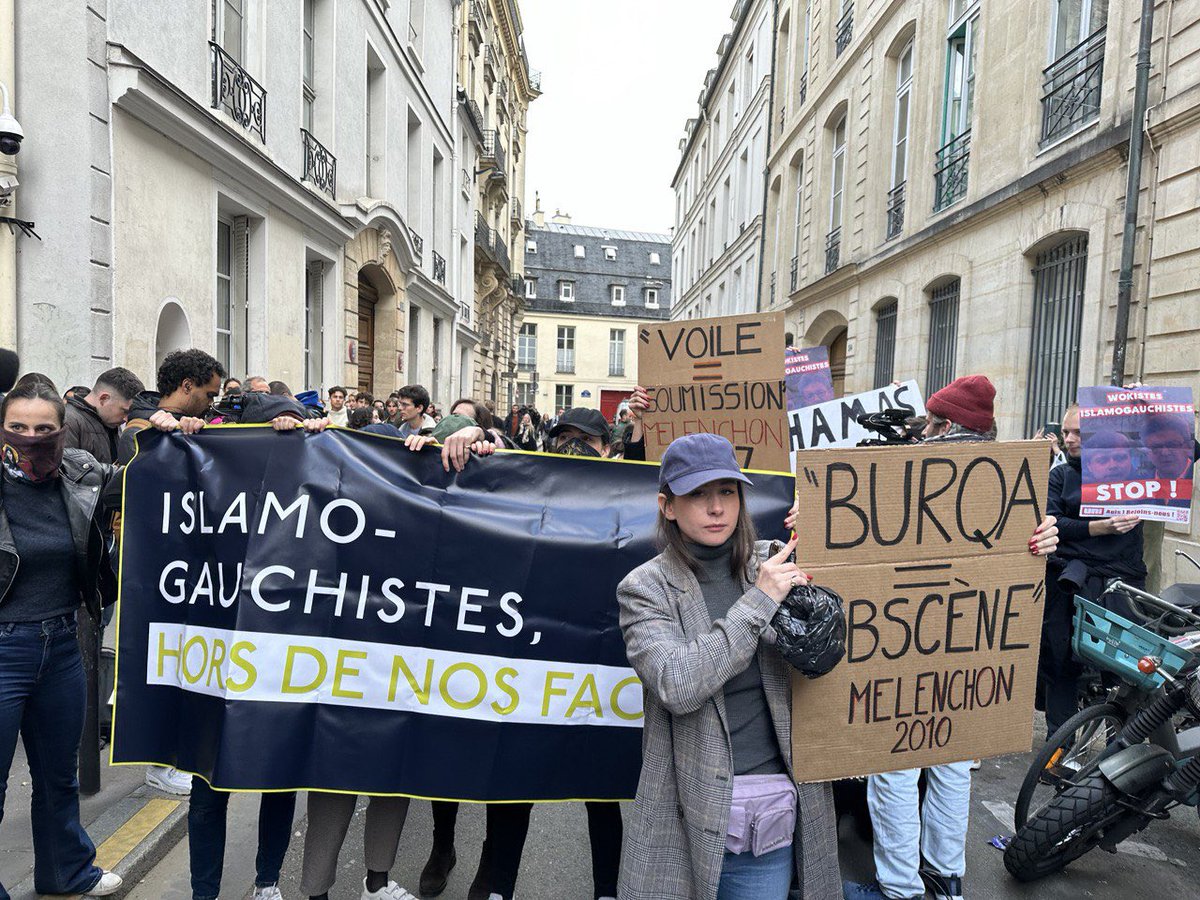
82,481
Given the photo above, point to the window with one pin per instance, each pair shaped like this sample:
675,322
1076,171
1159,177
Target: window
314,322
616,353
845,27
232,275
308,90
531,247
895,208
531,288
798,176
1058,284
526,393
376,125
580,253
565,361
885,344
566,291
229,27
833,240
224,292
655,260
1072,81
527,347
943,336
950,169
651,298
617,294
563,396
610,253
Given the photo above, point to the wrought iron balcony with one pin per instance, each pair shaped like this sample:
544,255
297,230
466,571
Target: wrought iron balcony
794,275
514,210
773,279
895,210
803,88
950,171
476,22
234,91
320,166
490,61
535,80
483,235
474,112
501,250
845,29
493,151
418,242
518,285
1071,88
833,250
439,268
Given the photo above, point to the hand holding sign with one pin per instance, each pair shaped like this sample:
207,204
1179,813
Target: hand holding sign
779,574
1113,525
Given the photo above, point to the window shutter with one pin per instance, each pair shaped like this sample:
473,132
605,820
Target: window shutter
239,315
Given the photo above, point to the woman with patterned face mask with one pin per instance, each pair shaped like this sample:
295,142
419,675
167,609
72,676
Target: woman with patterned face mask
53,558
580,432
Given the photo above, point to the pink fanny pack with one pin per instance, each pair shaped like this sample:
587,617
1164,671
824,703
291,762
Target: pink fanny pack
762,815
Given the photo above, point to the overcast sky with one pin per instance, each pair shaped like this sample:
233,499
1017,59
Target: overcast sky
619,79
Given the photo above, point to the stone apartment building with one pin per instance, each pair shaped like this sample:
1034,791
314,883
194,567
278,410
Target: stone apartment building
586,289
274,181
719,182
498,86
946,193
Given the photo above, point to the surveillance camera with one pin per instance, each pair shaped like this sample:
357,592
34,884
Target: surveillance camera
11,135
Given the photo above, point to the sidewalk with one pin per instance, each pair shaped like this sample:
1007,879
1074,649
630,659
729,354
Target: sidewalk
132,825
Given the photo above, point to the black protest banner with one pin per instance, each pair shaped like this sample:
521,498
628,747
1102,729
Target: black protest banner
928,547
336,612
723,376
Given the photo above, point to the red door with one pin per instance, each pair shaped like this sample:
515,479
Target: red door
610,400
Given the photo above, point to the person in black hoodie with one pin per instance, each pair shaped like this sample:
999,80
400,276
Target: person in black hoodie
94,419
1090,553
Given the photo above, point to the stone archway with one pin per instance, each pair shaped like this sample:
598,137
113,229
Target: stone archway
373,284
172,332
831,329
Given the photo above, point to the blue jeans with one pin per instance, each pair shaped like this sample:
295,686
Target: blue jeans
902,838
42,698
206,837
745,876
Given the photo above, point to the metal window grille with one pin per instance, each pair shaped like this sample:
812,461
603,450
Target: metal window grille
1071,88
1058,283
885,344
320,166
234,91
895,211
951,170
794,273
943,336
833,250
845,29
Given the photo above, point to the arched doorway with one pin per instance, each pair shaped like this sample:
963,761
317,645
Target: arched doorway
172,333
831,329
368,300
837,362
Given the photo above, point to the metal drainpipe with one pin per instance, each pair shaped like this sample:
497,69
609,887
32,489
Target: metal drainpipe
1132,190
762,228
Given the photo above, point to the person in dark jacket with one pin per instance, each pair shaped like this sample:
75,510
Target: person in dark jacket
93,421
1090,553
53,558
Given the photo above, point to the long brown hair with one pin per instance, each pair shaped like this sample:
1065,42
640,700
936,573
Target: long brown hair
671,539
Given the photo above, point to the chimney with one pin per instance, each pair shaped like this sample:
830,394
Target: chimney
539,217
561,218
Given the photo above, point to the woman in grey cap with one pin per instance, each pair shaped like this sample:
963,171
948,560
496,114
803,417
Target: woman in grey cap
718,815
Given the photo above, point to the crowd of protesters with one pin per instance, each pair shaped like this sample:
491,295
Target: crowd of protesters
696,622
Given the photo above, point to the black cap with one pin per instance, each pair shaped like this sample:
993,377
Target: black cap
589,421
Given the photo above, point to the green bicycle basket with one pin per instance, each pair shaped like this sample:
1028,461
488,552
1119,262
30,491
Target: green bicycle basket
1115,644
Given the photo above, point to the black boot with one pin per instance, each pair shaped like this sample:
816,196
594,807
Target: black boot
481,887
437,870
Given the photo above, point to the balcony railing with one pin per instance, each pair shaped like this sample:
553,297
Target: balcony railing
518,285
565,362
950,171
501,250
535,79
234,91
515,210
493,151
845,29
439,268
895,211
476,22
1071,88
418,242
833,250
320,166
794,274
773,279
490,58
803,87
475,113
483,235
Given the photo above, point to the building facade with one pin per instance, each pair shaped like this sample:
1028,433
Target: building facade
498,87
946,196
275,181
719,182
586,290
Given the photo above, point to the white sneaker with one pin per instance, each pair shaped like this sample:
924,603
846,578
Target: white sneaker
270,892
390,891
109,883
169,780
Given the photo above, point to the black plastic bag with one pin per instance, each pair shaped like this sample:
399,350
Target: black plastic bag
811,625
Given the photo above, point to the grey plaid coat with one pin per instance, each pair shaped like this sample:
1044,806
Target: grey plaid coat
675,839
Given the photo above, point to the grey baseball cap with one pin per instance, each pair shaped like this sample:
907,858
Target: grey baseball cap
696,459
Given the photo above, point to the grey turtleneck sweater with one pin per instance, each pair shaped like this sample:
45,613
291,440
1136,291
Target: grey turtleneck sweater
755,749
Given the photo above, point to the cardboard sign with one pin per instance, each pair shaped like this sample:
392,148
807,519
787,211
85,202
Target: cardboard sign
808,376
720,376
835,424
1138,452
928,548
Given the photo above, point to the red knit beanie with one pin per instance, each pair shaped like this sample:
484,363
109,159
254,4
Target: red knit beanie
966,401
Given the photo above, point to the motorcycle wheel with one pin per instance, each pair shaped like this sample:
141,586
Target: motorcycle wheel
1065,829
1068,753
